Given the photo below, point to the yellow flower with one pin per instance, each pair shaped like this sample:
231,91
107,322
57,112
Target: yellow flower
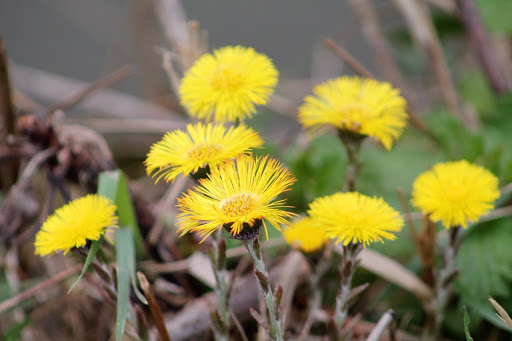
201,146
71,225
356,218
304,234
455,193
357,106
237,195
228,84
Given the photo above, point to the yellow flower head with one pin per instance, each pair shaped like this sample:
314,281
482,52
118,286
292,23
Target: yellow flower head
237,195
304,234
356,218
228,84
201,146
358,106
455,193
71,225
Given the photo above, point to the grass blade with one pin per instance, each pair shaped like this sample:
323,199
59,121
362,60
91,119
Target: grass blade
95,246
466,324
123,240
112,184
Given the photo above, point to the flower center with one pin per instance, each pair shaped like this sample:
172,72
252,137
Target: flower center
457,192
238,205
353,116
204,152
227,78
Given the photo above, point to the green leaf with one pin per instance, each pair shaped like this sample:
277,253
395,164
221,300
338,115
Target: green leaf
319,169
486,311
496,14
113,185
466,324
13,333
456,141
95,246
485,262
123,253
475,90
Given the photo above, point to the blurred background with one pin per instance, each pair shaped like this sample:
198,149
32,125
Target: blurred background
99,66
76,43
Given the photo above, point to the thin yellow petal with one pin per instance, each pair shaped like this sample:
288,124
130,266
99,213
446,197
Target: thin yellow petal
357,105
181,152
236,194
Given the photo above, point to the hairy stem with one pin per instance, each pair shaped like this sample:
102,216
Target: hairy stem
443,287
315,300
347,269
218,258
352,143
275,330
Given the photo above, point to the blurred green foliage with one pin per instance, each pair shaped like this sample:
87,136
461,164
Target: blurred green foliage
496,14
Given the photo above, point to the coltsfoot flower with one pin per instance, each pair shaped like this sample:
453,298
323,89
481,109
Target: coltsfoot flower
85,218
236,196
356,218
305,235
181,152
227,84
356,106
455,193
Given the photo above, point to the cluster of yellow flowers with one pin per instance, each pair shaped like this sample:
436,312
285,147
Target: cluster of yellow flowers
240,191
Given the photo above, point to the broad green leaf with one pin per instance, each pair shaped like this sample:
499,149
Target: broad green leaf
455,140
496,14
466,325
487,312
319,169
485,262
475,90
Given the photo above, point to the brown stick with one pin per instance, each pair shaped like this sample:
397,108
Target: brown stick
483,45
407,215
153,306
11,302
9,173
417,15
6,105
105,82
373,33
111,103
347,58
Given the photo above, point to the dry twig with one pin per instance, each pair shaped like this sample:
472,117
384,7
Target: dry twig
103,83
418,19
483,45
384,321
153,306
50,282
8,173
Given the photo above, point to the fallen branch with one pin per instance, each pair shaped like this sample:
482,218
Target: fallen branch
50,282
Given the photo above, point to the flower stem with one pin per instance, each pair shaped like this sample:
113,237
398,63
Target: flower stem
275,330
443,287
347,269
352,143
220,318
315,300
